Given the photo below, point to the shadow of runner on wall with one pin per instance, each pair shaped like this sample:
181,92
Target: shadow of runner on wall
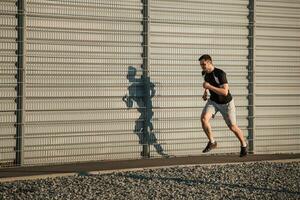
135,95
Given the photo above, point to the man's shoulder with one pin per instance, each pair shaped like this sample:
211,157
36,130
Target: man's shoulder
219,71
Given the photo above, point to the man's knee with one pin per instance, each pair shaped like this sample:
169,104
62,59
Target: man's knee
205,118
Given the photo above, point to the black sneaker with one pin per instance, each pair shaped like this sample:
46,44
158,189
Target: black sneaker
210,146
243,151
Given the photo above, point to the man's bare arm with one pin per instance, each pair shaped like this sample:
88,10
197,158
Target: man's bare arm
223,90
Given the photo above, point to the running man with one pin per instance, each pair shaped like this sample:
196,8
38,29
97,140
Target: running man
220,100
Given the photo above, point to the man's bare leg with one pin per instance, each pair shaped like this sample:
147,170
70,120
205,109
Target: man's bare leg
205,117
239,134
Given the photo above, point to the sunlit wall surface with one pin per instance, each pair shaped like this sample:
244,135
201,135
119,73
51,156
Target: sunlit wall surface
90,96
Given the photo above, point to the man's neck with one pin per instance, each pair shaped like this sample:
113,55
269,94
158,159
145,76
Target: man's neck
211,68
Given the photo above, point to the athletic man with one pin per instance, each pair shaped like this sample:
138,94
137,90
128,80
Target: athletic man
220,101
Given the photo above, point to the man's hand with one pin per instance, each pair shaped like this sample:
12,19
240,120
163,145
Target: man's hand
222,90
205,94
206,85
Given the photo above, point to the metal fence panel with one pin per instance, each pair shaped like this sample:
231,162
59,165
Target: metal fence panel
8,81
278,76
83,62
182,31
86,95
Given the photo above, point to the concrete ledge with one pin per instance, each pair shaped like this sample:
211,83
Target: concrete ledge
19,173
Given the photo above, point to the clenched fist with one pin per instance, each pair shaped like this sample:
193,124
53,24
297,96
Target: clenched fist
206,85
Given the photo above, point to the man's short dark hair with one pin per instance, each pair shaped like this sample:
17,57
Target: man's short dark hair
205,57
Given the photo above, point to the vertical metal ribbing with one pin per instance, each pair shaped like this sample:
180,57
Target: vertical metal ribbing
252,64
146,79
21,63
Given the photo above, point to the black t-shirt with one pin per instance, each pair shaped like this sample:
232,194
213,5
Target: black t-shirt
217,78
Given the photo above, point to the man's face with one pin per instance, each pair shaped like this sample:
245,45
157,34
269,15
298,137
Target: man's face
204,64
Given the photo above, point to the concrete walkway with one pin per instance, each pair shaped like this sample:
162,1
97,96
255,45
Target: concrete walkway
28,172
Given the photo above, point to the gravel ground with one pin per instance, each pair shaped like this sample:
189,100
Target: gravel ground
260,180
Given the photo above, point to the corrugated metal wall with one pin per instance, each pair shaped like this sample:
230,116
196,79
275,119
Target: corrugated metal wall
84,90
181,31
79,54
277,76
8,81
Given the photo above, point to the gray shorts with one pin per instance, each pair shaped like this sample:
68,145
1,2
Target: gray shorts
227,110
